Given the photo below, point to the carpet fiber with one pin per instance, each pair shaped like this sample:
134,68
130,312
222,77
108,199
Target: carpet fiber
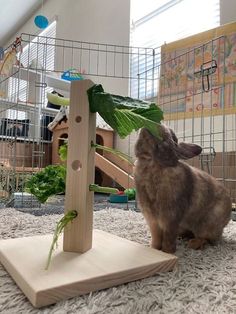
203,282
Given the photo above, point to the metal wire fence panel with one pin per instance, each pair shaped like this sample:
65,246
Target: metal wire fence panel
197,87
36,65
194,86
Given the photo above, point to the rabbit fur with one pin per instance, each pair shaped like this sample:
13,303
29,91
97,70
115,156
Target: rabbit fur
175,198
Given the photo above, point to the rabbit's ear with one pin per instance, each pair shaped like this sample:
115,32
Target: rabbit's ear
187,151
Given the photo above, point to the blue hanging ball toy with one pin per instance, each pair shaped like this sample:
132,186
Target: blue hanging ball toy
41,21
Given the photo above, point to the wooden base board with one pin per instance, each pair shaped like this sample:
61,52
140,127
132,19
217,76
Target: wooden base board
111,261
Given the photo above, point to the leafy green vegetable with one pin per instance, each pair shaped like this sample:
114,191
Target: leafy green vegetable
124,114
69,216
115,152
102,189
130,193
58,100
63,152
50,181
129,120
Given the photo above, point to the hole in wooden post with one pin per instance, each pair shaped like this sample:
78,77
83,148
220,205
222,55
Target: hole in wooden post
76,165
78,119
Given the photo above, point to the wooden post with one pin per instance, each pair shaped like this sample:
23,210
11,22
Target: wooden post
113,260
80,169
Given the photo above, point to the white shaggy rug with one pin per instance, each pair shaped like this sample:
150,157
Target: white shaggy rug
203,282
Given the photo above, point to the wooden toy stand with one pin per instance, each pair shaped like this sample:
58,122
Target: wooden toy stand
87,259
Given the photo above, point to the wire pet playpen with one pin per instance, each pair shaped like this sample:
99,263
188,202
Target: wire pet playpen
193,82
34,66
197,94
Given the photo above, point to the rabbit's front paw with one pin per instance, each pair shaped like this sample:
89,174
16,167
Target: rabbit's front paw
169,240
197,243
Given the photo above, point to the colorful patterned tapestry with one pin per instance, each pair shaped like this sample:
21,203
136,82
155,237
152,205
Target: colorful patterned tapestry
199,72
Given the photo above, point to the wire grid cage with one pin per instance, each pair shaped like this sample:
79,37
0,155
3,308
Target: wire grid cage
36,65
197,94
194,87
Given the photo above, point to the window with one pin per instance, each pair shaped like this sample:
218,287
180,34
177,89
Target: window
41,50
155,22
38,54
17,90
15,114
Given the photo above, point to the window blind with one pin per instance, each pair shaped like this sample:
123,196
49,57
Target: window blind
156,22
15,114
41,49
38,54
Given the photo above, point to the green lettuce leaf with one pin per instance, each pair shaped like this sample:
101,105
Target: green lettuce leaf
124,114
47,182
63,152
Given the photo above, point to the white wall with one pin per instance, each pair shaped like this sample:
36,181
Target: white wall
102,21
227,11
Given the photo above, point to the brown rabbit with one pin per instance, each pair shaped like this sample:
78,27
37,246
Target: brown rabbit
176,198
